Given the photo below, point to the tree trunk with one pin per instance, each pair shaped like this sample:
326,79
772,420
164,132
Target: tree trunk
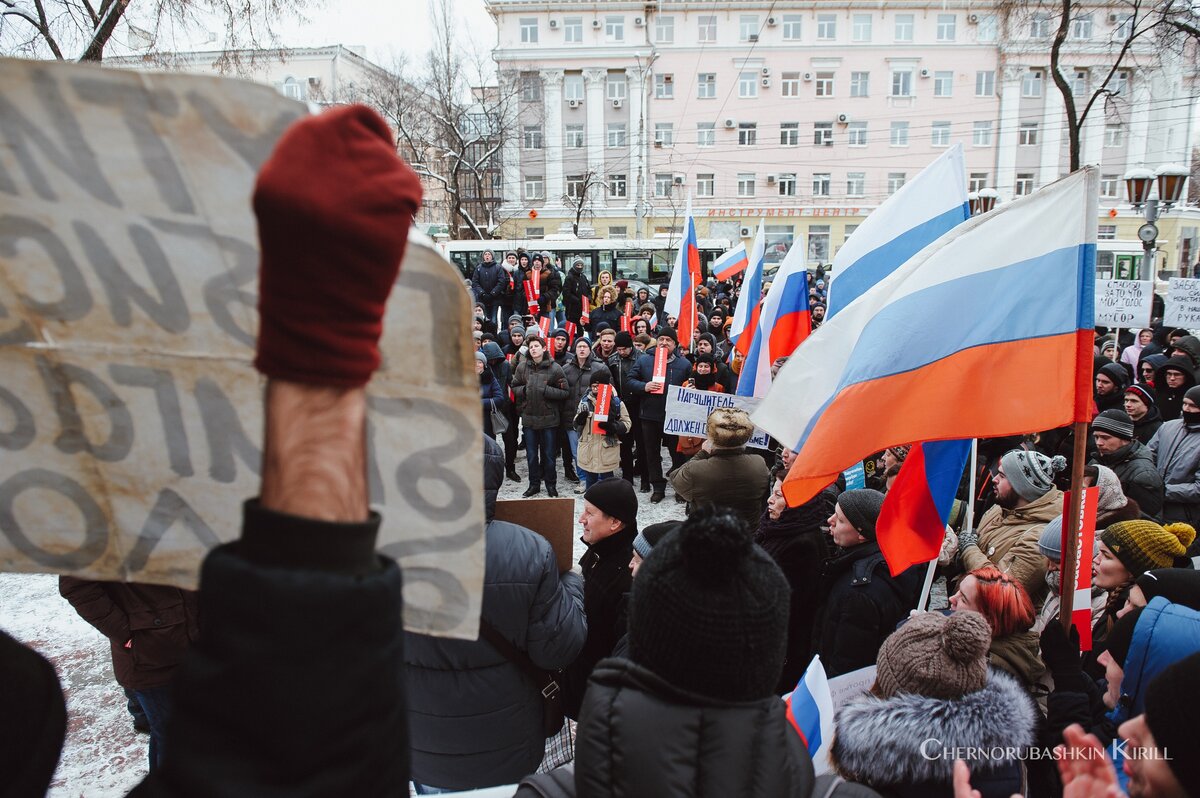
1060,37
104,31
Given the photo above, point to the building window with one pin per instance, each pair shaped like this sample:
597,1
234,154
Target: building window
895,182
1079,82
616,86
943,84
748,27
899,134
745,186
1124,28
1031,83
529,30
747,134
857,133
1108,185
1106,232
902,83
1081,26
574,136
618,186
618,231
856,184
860,83
790,84
818,242
533,137
981,134
987,29
1024,184
985,83
977,182
779,239
822,134
850,228
789,134
708,29
1027,135
614,29
706,134
821,184
664,30
662,184
826,27
664,134
706,86
824,84
1114,134
664,87
946,27
748,84
904,27
1121,81
861,28
573,87
573,30
706,185
1039,26
531,87
535,188
535,232
941,134
616,134
792,24
575,185
787,184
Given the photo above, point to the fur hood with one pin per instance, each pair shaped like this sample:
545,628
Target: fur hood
879,742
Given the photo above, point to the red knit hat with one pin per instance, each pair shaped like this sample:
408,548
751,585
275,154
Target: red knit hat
334,203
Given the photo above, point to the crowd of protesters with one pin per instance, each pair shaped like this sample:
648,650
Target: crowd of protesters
669,645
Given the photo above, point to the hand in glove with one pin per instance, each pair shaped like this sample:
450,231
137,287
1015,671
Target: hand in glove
609,426
968,537
1061,654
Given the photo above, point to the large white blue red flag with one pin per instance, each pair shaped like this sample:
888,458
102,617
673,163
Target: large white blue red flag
932,351
685,278
810,711
783,323
745,315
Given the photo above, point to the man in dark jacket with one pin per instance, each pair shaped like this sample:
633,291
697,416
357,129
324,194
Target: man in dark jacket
1171,382
609,521
1129,459
1111,381
653,394
1176,452
487,283
475,718
575,288
1141,405
633,458
862,601
722,473
149,629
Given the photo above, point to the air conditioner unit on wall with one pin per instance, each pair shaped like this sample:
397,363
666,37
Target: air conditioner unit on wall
766,72
1113,19
770,22
679,180
597,24
808,76
925,73
572,103
770,180
746,232
730,123
843,119
638,22
553,24
972,19
766,83
753,37
617,102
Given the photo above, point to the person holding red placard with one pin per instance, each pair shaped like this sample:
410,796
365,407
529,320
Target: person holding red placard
649,379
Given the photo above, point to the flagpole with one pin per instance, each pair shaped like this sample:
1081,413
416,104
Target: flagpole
1071,528
928,586
970,519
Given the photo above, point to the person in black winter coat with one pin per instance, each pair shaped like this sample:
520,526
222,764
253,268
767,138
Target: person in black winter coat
490,391
653,396
1171,382
1111,381
487,285
475,718
794,538
633,458
1130,460
550,288
575,288
1141,405
861,601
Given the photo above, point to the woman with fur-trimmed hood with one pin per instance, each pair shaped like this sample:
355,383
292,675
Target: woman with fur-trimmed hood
934,700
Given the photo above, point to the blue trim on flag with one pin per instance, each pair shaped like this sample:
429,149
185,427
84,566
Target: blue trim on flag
944,463
807,715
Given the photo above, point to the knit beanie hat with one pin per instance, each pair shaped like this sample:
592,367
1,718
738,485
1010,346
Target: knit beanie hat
1110,494
1193,393
1176,585
1050,542
899,452
533,331
561,332
648,538
668,332
709,610
624,339
481,357
935,655
1172,702
615,498
729,427
1143,392
1031,474
861,508
1120,637
1114,422
515,318
1144,545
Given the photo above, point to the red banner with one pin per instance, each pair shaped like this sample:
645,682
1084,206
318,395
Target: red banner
530,298
571,330
550,343
625,322
1081,608
660,369
584,318
536,276
603,405
544,323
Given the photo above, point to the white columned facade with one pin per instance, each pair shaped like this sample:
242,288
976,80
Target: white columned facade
1054,122
1139,120
1006,138
1091,137
635,97
510,150
595,80
552,136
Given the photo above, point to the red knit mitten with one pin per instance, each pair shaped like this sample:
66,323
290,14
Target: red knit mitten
334,203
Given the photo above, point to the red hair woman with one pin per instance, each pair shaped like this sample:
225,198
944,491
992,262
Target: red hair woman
1006,606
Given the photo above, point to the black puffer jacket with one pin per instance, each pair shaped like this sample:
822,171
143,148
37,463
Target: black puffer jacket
863,603
1145,428
540,390
640,736
575,288
1140,480
475,720
1170,400
579,379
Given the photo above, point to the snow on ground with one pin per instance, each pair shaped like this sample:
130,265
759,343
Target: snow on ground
103,755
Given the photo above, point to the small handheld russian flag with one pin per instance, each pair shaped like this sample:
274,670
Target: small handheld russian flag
731,264
810,711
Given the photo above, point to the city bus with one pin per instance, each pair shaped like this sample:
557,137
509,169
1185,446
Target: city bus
644,261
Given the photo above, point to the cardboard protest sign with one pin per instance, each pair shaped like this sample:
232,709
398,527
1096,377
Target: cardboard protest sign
130,412
1183,303
1124,303
603,405
688,409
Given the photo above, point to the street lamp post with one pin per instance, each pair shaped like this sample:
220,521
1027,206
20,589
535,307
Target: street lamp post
1171,179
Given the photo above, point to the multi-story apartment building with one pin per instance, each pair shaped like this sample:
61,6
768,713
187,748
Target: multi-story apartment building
810,114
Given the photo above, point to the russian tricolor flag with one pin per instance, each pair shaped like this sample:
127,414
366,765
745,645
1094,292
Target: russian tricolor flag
912,523
783,323
745,315
731,264
933,350
685,278
810,711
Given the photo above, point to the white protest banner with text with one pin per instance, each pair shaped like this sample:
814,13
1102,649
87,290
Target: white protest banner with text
688,409
1183,303
1124,303
130,412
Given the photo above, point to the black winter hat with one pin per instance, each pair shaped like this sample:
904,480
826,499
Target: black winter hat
668,332
1172,702
1117,373
709,610
1177,585
624,339
1193,393
616,498
1120,637
861,508
1114,422
648,538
